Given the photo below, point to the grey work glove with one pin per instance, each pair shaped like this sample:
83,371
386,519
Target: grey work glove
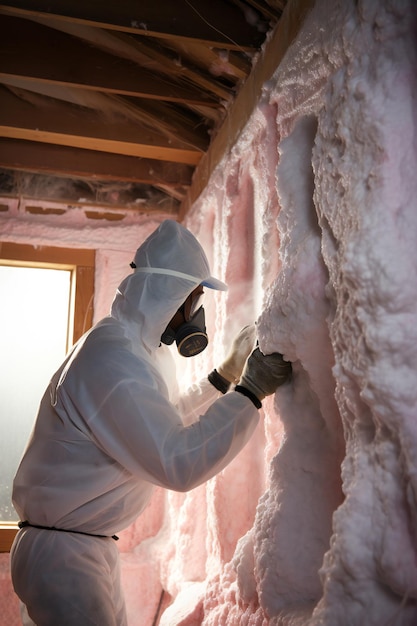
243,344
263,374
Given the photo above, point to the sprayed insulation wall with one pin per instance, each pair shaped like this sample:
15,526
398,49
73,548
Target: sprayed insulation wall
325,166
311,219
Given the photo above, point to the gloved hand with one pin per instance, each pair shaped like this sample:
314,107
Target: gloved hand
263,374
232,367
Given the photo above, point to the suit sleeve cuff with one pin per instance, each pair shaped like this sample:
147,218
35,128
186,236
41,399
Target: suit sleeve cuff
250,395
218,381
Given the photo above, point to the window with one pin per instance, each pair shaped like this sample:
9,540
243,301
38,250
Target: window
47,296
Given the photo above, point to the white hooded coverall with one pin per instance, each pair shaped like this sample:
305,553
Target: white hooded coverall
107,432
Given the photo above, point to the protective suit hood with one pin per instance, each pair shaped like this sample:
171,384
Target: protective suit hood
168,266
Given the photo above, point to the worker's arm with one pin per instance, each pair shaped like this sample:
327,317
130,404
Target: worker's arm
136,425
196,400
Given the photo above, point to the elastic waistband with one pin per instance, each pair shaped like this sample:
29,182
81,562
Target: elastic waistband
65,530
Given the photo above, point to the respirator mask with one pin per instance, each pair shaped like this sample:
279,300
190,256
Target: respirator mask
191,337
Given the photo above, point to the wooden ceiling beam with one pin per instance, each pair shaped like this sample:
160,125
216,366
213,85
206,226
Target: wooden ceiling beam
243,106
278,5
67,125
64,161
35,190
105,94
25,50
144,52
159,117
209,22
169,63
226,63
262,8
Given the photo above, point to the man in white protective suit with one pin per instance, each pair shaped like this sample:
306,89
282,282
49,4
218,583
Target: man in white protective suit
111,426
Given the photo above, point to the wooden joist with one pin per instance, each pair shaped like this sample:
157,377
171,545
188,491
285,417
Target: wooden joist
25,51
69,125
197,20
77,163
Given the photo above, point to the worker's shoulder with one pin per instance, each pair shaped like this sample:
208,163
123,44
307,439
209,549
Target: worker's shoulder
102,345
107,348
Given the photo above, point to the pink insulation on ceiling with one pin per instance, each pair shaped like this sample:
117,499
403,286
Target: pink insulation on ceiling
312,221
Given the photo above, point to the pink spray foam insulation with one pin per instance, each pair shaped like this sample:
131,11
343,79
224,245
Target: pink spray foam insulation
333,539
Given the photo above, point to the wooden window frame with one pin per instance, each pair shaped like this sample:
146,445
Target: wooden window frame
82,263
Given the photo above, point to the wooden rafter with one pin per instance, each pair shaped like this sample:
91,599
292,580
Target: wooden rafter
25,50
196,20
125,93
54,159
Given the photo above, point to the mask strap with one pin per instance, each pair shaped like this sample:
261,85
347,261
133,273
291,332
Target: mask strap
160,270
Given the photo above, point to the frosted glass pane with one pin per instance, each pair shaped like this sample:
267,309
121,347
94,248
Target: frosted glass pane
33,334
